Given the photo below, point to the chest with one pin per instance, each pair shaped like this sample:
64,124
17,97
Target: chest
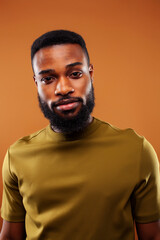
60,174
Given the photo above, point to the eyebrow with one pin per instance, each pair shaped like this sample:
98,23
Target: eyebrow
46,71
74,64
52,70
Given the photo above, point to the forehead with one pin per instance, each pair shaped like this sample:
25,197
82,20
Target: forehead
58,55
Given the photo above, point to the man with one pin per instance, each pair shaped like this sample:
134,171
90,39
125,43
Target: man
78,178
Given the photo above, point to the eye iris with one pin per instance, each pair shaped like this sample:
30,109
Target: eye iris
47,79
76,74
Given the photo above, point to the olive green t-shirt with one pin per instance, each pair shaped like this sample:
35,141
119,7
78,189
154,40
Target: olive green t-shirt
89,186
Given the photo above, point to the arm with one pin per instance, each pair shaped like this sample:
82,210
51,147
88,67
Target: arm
148,231
13,231
12,208
146,197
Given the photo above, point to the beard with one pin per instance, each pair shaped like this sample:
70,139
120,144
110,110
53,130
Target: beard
72,124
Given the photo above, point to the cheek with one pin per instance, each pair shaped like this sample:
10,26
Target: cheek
45,91
83,87
46,94
88,88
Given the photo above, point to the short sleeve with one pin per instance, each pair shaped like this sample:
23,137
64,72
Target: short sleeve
146,197
12,208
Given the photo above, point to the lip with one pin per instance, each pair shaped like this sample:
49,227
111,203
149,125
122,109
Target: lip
68,106
65,101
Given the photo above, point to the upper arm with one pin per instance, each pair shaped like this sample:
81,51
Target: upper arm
13,231
12,209
146,195
148,231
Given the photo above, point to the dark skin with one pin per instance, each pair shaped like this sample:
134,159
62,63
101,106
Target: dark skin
67,72
13,231
63,70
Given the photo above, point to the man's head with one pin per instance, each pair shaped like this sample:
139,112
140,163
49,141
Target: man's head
63,75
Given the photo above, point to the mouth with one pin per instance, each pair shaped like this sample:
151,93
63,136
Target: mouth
67,104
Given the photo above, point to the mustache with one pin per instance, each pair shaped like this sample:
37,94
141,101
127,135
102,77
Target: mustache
71,99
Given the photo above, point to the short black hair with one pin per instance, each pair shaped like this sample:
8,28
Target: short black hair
57,37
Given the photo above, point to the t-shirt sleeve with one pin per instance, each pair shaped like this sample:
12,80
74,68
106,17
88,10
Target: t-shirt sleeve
147,192
12,208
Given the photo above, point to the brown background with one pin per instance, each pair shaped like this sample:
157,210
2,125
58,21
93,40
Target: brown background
123,39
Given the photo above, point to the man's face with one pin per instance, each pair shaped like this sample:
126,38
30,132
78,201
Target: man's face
64,83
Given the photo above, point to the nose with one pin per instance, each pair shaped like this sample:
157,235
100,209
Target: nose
63,87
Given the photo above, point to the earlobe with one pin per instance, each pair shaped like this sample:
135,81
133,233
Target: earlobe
34,78
91,71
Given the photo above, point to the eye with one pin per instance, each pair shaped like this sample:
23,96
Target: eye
48,79
76,75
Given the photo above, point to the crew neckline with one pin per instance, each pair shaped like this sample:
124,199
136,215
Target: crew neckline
56,136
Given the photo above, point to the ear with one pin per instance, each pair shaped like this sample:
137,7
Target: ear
91,71
34,78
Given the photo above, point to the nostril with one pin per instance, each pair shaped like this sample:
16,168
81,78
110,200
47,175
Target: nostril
64,91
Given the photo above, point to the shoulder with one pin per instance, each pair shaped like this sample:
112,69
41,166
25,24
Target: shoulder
33,137
130,137
127,134
23,148
25,142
